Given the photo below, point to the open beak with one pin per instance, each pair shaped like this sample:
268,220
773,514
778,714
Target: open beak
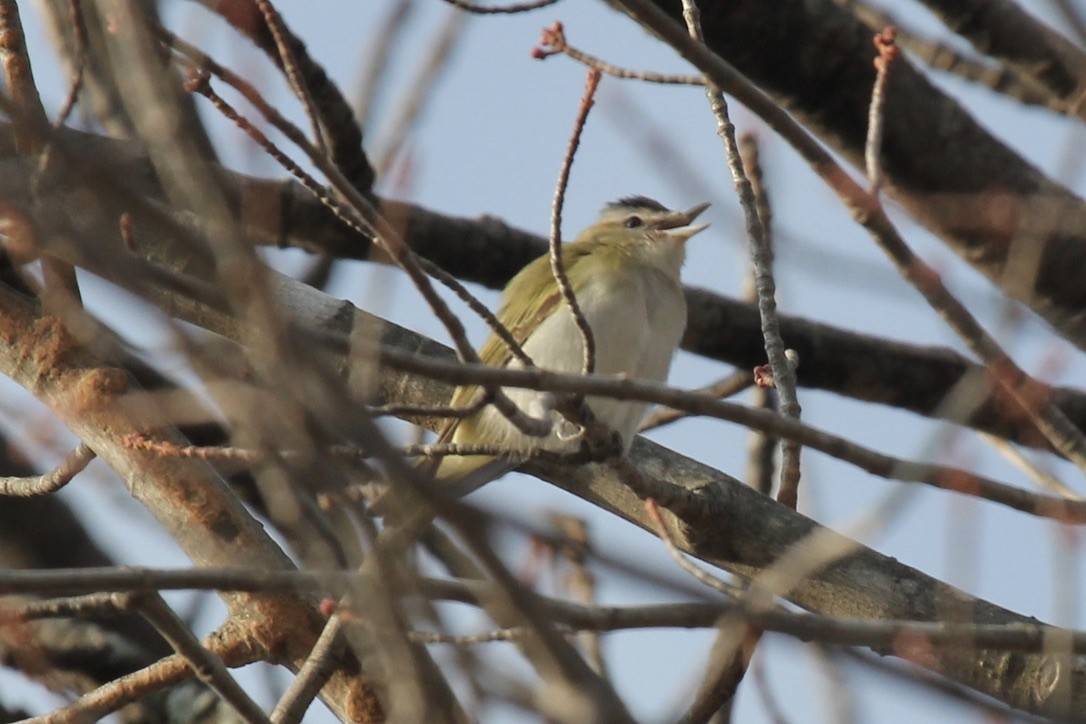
677,223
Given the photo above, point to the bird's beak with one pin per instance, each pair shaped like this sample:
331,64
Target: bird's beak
677,223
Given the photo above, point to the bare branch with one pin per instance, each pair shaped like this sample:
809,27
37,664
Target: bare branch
557,262
784,375
50,482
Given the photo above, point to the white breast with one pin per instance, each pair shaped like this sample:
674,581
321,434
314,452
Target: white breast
637,328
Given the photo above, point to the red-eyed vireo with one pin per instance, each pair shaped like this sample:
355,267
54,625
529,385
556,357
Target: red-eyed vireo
624,271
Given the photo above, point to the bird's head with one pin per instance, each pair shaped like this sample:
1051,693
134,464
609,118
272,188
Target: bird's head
644,230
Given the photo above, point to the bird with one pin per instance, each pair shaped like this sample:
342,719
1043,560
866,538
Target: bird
624,270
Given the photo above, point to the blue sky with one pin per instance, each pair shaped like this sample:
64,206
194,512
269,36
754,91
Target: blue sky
491,141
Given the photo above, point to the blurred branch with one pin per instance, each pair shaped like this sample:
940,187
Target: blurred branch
19,79
80,41
896,636
942,56
91,400
314,364
864,367
118,692
78,655
430,71
211,316
102,97
864,584
331,109
758,531
1073,16
312,675
207,666
378,55
60,284
978,195
867,210
1003,30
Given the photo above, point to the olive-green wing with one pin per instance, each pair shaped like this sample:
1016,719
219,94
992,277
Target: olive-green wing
528,284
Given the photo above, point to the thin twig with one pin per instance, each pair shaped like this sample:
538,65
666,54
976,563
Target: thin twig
751,154
761,258
443,449
361,214
456,287
737,638
91,604
312,675
75,85
396,409
557,262
504,635
327,108
511,604
554,42
996,76
418,691
209,667
112,696
165,448
199,84
900,636
274,21
1043,478
940,476
75,462
761,446
733,384
884,43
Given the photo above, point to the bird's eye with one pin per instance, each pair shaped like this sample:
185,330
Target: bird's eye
632,222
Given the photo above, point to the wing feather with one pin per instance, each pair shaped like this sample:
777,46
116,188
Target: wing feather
529,283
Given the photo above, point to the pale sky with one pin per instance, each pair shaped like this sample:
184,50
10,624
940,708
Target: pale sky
491,141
